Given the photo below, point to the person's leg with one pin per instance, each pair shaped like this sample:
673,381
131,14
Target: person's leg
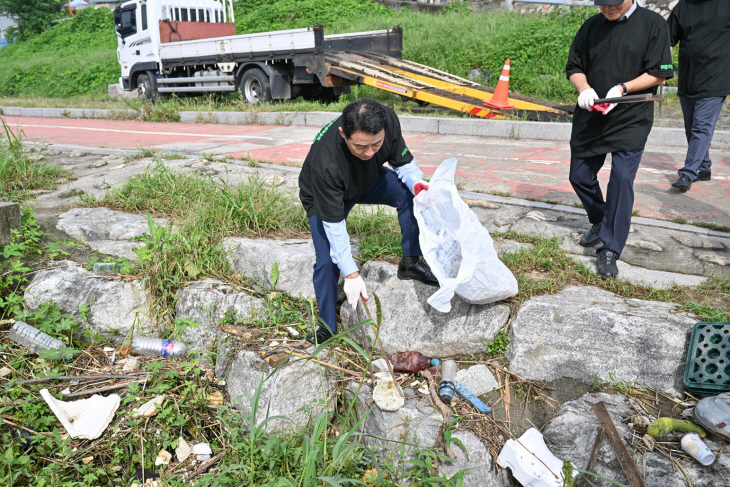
704,114
326,275
619,200
584,179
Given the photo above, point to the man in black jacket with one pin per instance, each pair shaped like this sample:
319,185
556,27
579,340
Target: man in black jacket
624,49
702,29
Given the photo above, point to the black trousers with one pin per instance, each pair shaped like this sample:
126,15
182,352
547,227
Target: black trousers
615,211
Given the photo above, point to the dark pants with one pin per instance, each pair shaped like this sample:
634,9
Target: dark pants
700,117
388,190
615,211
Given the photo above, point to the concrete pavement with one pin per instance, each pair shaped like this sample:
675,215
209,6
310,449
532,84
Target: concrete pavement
521,168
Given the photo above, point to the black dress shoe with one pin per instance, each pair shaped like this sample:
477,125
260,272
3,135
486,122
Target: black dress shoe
590,238
606,264
683,183
704,175
322,335
414,268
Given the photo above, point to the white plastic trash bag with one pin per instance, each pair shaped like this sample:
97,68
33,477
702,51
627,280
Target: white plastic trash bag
457,247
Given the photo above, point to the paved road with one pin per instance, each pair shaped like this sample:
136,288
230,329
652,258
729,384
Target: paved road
524,168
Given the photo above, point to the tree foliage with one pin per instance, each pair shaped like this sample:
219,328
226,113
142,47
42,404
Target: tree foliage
32,16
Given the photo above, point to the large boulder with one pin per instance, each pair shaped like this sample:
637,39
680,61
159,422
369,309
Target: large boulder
571,436
255,259
585,332
206,303
106,231
296,390
409,323
115,306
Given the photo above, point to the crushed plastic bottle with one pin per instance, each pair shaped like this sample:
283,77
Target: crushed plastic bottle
412,361
35,340
157,347
447,388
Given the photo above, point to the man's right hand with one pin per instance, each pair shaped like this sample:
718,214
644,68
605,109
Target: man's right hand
354,288
587,98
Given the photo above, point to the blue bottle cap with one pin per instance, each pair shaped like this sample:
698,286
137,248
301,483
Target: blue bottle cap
435,362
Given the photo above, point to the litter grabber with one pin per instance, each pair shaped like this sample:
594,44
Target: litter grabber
629,99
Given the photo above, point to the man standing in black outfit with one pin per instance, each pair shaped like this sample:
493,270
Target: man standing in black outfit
702,28
624,49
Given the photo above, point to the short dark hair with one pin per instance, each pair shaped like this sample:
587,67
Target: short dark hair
364,115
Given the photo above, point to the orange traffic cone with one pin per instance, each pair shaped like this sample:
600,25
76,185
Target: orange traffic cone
499,99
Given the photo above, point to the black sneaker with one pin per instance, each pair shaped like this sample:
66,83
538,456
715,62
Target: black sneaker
322,335
414,268
606,264
704,175
590,238
683,183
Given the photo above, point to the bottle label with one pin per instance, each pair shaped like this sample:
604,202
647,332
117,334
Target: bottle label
167,348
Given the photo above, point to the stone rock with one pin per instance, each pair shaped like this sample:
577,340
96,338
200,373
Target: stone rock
478,379
295,391
206,302
714,259
255,259
114,306
96,164
647,277
102,185
572,433
163,458
202,449
200,164
131,365
697,242
584,331
183,450
643,244
106,231
52,152
206,171
541,217
9,221
510,246
409,323
76,154
481,204
110,157
70,193
475,457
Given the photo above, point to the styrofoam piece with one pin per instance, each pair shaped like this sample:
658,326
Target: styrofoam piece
386,394
86,418
532,464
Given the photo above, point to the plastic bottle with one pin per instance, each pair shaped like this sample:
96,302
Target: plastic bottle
157,347
447,388
35,340
411,361
106,267
693,444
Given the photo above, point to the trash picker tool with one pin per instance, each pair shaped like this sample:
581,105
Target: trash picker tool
380,344
630,99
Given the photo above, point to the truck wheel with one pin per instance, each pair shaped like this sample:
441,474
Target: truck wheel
144,88
255,87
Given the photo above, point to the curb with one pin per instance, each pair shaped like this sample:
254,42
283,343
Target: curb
464,194
552,131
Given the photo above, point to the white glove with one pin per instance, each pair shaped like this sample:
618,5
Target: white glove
615,92
354,288
586,98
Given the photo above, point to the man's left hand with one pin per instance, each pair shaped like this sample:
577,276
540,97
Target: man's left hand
419,186
615,92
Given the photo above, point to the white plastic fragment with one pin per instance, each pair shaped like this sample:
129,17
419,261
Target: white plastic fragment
86,418
4,372
149,408
163,458
183,450
292,332
532,464
202,449
131,365
202,458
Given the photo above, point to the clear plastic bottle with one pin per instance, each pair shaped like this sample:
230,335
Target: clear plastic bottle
447,388
412,361
157,347
35,340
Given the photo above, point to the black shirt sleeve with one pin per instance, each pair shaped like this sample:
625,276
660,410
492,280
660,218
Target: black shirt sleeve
675,32
399,154
658,59
575,57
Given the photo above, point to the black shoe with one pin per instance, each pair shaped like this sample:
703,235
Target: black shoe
704,175
606,264
590,238
322,335
683,183
414,268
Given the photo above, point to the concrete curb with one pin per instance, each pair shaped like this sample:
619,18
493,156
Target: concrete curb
551,131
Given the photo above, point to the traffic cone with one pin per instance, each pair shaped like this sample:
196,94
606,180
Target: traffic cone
499,99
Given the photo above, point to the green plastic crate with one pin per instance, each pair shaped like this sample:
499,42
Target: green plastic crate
708,359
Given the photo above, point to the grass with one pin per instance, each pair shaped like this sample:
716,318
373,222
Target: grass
21,171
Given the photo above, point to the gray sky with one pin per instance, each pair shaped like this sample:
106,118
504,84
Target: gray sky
5,23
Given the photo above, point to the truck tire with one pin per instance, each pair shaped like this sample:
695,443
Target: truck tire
255,87
145,89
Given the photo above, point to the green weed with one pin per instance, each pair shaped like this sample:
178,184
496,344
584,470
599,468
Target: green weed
499,345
